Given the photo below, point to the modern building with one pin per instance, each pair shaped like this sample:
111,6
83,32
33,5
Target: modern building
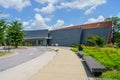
36,37
70,35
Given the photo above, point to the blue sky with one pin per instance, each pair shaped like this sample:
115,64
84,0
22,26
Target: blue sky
53,14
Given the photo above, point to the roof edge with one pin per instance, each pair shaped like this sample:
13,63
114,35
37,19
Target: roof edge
90,25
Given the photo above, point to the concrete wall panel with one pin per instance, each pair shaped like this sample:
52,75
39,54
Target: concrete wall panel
104,32
66,37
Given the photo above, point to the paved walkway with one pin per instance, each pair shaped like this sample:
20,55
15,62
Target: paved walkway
65,66
27,69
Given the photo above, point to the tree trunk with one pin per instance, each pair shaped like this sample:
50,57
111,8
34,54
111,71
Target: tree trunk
16,45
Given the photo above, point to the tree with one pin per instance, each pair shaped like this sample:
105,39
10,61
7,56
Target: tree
2,31
15,33
116,28
117,39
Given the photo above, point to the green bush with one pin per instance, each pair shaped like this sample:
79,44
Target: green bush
74,45
95,40
29,44
78,46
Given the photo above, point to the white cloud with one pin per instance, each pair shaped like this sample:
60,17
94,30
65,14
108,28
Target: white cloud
59,24
99,19
48,9
37,9
15,4
26,23
38,23
4,15
90,5
48,1
90,10
47,19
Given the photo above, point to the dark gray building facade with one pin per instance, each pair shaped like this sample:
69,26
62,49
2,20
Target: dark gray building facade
103,32
66,37
70,35
36,37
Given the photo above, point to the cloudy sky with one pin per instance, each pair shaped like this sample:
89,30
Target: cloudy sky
53,14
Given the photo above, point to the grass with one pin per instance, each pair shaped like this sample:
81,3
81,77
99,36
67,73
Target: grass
74,49
5,53
11,47
111,75
109,57
19,47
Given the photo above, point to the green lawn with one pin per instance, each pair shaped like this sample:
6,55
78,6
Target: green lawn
109,57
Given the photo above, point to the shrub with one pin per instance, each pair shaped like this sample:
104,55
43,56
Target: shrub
29,44
95,40
78,46
74,45
109,57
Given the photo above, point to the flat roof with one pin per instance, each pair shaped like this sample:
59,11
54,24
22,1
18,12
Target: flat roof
36,34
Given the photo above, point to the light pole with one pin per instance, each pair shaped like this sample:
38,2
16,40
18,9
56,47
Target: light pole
79,46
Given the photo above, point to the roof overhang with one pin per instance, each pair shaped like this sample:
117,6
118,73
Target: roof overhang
38,38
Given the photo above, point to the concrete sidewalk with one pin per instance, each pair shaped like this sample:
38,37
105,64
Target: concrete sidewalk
65,66
27,69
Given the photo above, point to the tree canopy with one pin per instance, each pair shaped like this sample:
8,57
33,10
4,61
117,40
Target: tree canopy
116,29
116,23
2,31
15,33
11,32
